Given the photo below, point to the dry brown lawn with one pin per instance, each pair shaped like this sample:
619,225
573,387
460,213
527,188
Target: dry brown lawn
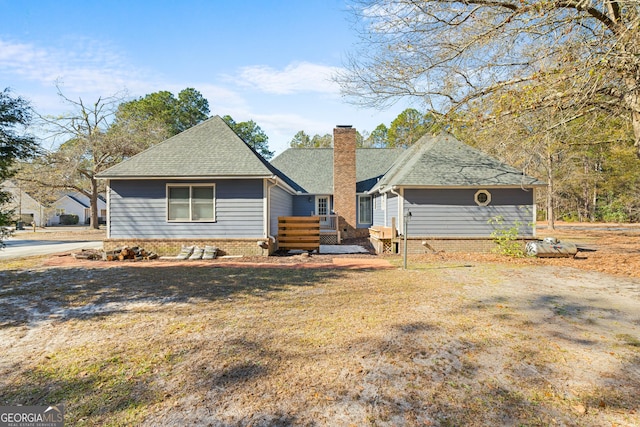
454,340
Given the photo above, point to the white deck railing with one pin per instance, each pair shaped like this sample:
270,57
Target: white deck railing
328,223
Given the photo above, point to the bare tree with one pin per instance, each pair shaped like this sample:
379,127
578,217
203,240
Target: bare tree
575,156
92,142
578,55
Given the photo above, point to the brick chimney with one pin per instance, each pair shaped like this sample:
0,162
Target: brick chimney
344,179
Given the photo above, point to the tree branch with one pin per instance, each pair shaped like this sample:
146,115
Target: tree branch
580,6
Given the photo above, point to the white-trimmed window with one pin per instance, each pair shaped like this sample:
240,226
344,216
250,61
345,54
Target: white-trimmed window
365,212
482,197
191,203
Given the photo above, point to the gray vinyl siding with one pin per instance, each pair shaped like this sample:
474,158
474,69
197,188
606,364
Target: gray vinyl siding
138,208
392,210
379,214
281,204
304,205
454,213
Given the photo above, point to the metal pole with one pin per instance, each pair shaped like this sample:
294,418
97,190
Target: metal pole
404,233
405,223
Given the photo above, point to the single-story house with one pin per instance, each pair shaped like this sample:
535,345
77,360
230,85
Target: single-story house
29,210
75,203
25,208
205,186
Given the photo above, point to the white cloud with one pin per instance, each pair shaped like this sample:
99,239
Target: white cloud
91,69
88,69
80,66
295,78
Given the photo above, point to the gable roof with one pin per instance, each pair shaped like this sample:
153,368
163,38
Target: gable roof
209,149
16,191
312,168
444,161
75,199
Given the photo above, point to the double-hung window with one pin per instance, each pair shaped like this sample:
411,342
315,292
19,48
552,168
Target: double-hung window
365,206
191,203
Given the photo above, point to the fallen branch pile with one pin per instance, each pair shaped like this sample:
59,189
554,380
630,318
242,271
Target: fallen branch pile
134,254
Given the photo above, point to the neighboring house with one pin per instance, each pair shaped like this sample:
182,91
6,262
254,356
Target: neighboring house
25,208
29,210
205,186
76,203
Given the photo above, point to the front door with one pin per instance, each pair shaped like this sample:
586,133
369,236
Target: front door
322,209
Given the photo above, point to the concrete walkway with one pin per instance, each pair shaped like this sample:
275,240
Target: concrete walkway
342,249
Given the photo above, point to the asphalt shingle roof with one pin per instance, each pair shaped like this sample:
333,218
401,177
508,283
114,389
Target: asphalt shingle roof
209,149
443,161
212,149
312,168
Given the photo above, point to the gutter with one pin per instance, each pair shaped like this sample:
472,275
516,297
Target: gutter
182,177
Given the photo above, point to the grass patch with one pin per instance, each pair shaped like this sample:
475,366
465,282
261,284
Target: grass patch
23,263
629,340
442,345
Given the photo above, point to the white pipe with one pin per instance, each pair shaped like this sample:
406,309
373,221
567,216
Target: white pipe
268,209
400,217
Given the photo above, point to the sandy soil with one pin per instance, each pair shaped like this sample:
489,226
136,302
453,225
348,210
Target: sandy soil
618,251
458,339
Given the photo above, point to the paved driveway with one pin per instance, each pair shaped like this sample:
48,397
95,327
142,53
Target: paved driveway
19,248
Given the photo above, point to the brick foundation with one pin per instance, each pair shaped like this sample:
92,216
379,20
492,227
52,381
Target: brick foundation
171,247
361,233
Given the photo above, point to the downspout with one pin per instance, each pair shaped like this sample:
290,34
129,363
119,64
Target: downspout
108,225
269,186
535,211
392,190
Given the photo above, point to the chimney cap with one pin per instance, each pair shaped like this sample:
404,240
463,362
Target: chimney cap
344,126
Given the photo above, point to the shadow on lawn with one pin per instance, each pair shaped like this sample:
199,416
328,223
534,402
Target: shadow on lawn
64,294
570,323
120,386
414,377
90,397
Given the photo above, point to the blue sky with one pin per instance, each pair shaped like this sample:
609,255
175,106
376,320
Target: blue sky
269,61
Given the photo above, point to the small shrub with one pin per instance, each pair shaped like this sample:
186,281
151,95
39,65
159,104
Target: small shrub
69,219
506,238
613,212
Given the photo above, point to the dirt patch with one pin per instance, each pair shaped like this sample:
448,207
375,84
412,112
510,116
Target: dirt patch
458,339
351,261
618,250
445,343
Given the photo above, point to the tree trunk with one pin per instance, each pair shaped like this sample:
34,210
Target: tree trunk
632,100
94,223
551,221
635,120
